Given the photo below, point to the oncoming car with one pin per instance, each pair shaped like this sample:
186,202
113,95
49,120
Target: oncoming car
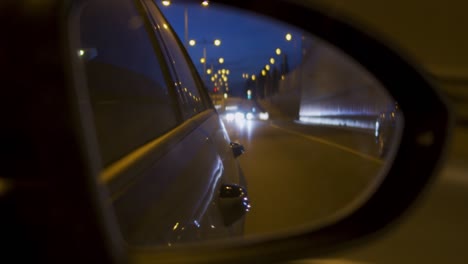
239,109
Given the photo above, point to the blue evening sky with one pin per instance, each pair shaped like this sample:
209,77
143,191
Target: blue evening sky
248,41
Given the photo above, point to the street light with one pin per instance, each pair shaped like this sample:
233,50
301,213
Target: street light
278,51
221,60
253,77
203,60
168,3
267,67
288,37
272,61
263,73
208,71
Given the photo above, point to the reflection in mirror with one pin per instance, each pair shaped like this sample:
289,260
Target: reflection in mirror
309,131
316,126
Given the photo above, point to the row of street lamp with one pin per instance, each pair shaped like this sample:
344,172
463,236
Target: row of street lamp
272,61
217,43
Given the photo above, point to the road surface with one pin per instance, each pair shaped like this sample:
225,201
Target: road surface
300,174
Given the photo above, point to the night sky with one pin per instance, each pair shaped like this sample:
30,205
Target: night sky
248,41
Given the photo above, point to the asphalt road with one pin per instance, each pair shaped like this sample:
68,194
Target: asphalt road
300,174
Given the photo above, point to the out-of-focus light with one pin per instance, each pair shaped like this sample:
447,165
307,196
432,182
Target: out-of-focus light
278,51
223,71
340,122
253,77
175,226
267,67
217,42
166,3
227,72
283,77
231,108
249,116
240,116
225,79
225,95
208,71
205,3
165,26
221,60
377,126
288,37
249,92
272,60
230,116
81,52
202,60
263,73
213,79
264,116
192,42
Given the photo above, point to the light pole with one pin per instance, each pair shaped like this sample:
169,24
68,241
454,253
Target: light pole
204,42
167,3
185,27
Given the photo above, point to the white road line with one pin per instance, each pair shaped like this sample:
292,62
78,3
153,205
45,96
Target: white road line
332,144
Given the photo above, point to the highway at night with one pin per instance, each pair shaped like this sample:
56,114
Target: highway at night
298,174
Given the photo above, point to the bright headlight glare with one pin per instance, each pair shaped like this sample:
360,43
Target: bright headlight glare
240,116
264,116
230,116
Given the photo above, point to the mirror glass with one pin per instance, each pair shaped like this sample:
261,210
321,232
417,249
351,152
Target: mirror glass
310,132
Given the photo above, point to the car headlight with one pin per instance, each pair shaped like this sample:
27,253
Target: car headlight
230,116
240,116
264,116
249,116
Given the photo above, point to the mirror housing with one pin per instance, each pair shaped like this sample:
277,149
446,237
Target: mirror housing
83,209
237,149
416,160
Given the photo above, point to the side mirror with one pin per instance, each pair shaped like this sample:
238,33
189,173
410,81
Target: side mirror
237,149
56,176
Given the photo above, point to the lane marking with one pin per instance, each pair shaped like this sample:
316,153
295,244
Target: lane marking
332,144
